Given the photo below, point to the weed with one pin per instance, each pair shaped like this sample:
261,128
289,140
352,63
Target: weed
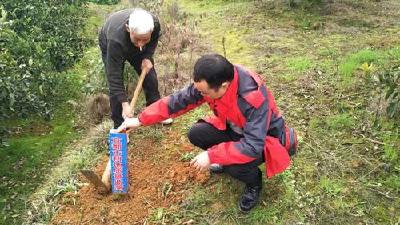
379,212
159,215
390,83
368,68
355,23
330,186
391,153
393,182
289,78
166,189
196,200
187,156
299,64
65,185
316,124
341,122
355,60
394,53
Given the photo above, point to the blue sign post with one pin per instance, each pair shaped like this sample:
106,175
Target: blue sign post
119,162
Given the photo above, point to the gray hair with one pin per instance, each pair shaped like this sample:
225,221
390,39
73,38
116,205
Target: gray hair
141,21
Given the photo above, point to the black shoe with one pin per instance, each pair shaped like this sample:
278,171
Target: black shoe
293,142
216,168
289,141
249,198
168,121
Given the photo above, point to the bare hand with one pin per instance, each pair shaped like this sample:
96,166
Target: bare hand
147,65
201,161
126,110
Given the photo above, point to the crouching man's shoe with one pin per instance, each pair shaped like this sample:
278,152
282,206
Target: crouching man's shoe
249,198
216,168
168,121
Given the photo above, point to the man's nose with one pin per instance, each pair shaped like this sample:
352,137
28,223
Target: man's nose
141,43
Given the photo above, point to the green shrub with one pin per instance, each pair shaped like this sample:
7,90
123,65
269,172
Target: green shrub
104,2
390,83
38,38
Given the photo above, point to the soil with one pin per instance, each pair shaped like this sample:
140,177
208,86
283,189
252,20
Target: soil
156,181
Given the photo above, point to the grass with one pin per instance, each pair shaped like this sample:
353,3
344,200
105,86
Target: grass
355,60
28,157
299,64
394,53
62,178
391,154
330,187
97,15
367,57
32,150
340,163
226,39
347,170
340,122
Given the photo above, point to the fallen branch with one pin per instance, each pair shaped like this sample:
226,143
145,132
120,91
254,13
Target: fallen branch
372,140
384,194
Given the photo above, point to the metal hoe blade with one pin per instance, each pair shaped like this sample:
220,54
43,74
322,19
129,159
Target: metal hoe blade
95,180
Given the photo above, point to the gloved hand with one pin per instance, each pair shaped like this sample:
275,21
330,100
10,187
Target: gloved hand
129,124
201,161
126,110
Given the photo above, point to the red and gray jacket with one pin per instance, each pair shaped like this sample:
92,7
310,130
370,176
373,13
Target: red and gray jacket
247,105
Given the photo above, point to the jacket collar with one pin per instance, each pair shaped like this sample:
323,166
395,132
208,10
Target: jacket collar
230,95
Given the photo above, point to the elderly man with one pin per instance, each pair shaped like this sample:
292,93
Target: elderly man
129,35
245,131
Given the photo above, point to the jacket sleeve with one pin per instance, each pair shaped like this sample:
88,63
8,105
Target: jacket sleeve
152,45
171,106
114,67
251,146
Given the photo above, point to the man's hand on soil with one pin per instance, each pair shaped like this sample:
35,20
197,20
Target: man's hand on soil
201,161
129,124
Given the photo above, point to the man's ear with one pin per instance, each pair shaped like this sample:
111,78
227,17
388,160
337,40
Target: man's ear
225,84
127,28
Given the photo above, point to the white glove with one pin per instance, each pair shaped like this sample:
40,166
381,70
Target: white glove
128,124
201,161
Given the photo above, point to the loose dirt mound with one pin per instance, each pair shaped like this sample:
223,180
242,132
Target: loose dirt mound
157,179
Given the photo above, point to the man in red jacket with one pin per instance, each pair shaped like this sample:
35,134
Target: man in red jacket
245,131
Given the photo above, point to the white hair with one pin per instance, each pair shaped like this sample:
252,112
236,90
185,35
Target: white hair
141,21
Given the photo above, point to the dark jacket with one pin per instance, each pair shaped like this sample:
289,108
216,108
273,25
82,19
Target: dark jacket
116,45
248,106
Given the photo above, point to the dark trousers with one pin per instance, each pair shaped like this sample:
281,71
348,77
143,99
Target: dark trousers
204,136
150,88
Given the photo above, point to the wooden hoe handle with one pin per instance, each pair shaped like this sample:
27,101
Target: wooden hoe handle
138,89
